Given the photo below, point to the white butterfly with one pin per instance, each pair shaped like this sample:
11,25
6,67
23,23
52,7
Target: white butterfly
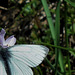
18,59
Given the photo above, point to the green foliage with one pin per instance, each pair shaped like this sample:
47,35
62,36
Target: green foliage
74,28
72,2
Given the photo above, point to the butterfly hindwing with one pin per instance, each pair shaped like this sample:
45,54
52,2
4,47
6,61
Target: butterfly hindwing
2,68
19,68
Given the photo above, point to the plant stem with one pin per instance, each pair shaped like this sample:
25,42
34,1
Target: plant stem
63,48
58,53
57,29
51,66
49,18
66,38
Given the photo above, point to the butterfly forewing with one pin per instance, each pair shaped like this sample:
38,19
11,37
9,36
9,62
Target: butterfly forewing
31,55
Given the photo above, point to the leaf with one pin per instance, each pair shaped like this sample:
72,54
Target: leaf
74,27
71,2
72,52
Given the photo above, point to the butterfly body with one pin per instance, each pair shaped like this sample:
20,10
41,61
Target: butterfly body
4,57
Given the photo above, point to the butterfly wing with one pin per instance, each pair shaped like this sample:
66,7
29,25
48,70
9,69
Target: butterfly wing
31,55
2,68
19,68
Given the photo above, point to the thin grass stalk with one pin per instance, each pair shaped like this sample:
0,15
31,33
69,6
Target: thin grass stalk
35,71
40,71
49,18
66,39
52,66
51,26
57,29
55,46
